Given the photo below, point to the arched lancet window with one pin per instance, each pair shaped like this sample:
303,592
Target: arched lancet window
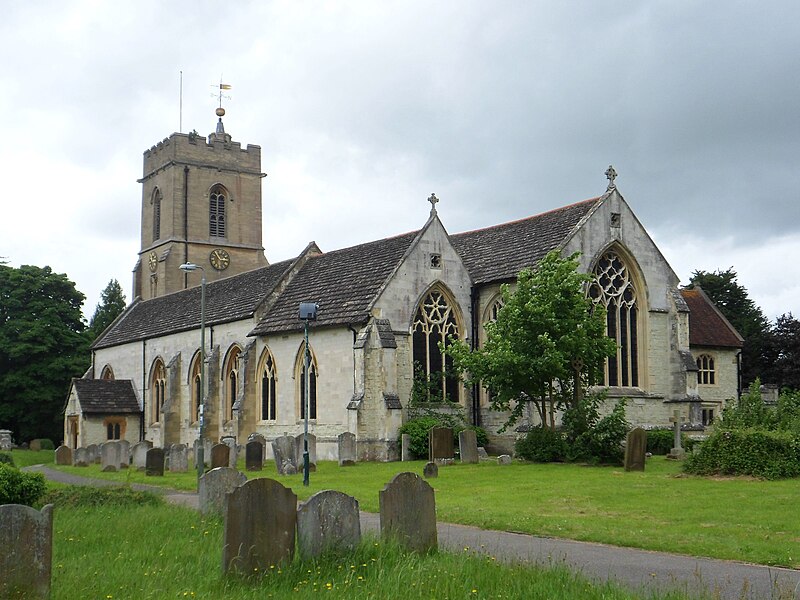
269,387
156,201
231,375
705,369
613,288
216,211
115,429
312,384
196,388
435,322
158,388
107,373
490,316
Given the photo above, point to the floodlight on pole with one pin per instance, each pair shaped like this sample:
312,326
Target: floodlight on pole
200,457
308,312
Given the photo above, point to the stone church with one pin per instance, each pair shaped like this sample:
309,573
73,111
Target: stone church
383,308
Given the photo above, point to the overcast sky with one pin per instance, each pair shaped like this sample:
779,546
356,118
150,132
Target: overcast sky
362,109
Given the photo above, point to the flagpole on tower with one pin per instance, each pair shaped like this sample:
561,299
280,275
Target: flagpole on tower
180,106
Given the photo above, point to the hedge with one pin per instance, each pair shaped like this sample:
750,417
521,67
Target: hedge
756,452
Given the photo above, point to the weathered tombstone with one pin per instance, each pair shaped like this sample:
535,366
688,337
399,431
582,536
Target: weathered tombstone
139,453
254,456
81,457
482,454
260,524
299,448
635,449
405,447
347,449
64,456
178,458
220,455
677,453
283,451
26,551
110,456
207,444
36,445
233,455
259,438
213,486
408,512
328,521
5,439
440,444
94,453
430,470
124,454
154,462
468,446
504,459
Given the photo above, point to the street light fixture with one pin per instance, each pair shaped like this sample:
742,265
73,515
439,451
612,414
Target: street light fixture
308,312
200,458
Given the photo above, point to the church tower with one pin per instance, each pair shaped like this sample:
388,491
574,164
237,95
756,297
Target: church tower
201,203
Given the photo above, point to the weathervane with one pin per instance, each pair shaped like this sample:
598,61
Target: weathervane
221,87
433,200
611,174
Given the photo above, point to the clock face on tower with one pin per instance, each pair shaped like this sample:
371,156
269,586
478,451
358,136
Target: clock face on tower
219,259
152,260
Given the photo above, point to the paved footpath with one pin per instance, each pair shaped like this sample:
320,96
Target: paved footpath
635,569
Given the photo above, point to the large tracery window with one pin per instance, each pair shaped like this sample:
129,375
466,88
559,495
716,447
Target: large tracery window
705,369
614,289
216,211
435,322
158,387
268,388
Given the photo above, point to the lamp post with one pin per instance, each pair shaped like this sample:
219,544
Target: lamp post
200,459
308,312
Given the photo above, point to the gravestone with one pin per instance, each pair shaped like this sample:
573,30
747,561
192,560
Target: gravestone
253,456
64,456
328,521
260,525
405,447
430,470
233,455
259,438
94,453
468,446
283,451
154,462
36,445
408,512
440,444
347,449
677,453
26,551
207,444
178,458
139,453
220,455
504,459
482,454
81,457
5,439
312,452
635,449
124,454
110,456
214,485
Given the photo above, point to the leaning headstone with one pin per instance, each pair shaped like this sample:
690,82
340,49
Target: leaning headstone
468,446
94,453
220,455
233,455
430,470
677,453
139,454
635,449
408,512
347,449
440,444
110,456
178,458
328,521
260,525
154,462
253,456
26,551
299,448
213,486
405,447
283,451
64,456
124,454
482,454
81,457
504,459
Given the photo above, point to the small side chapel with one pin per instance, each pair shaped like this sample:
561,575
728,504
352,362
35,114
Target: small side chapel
384,306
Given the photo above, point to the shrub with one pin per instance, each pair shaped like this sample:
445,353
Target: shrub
47,444
79,496
419,427
6,459
757,452
592,438
17,487
542,444
661,441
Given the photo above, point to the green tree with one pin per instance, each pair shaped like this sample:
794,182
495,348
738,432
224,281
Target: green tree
112,303
733,301
785,339
43,344
547,345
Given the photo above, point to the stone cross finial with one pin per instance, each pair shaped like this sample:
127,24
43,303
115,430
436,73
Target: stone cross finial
611,174
433,200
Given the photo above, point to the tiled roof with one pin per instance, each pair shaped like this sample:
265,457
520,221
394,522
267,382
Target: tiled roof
227,300
707,326
106,396
501,252
343,282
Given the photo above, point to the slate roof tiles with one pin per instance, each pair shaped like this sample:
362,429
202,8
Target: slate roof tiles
106,396
707,326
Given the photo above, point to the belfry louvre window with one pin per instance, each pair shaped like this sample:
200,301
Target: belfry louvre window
705,369
216,212
156,214
613,288
435,322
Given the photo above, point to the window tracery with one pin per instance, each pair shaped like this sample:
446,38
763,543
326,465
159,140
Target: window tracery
706,374
268,388
158,386
232,381
312,385
434,323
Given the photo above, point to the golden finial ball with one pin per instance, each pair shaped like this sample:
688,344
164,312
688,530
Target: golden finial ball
220,112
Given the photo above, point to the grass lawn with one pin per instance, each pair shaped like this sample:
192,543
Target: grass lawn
659,509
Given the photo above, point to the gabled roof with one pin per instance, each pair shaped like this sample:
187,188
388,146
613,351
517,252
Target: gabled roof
343,282
708,326
227,300
499,253
106,396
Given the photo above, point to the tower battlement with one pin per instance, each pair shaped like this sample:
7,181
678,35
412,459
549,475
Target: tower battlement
195,149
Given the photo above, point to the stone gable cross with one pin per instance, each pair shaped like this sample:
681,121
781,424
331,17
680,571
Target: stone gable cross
433,200
611,174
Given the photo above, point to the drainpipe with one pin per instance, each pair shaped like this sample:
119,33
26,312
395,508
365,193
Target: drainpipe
144,394
739,375
476,392
355,335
